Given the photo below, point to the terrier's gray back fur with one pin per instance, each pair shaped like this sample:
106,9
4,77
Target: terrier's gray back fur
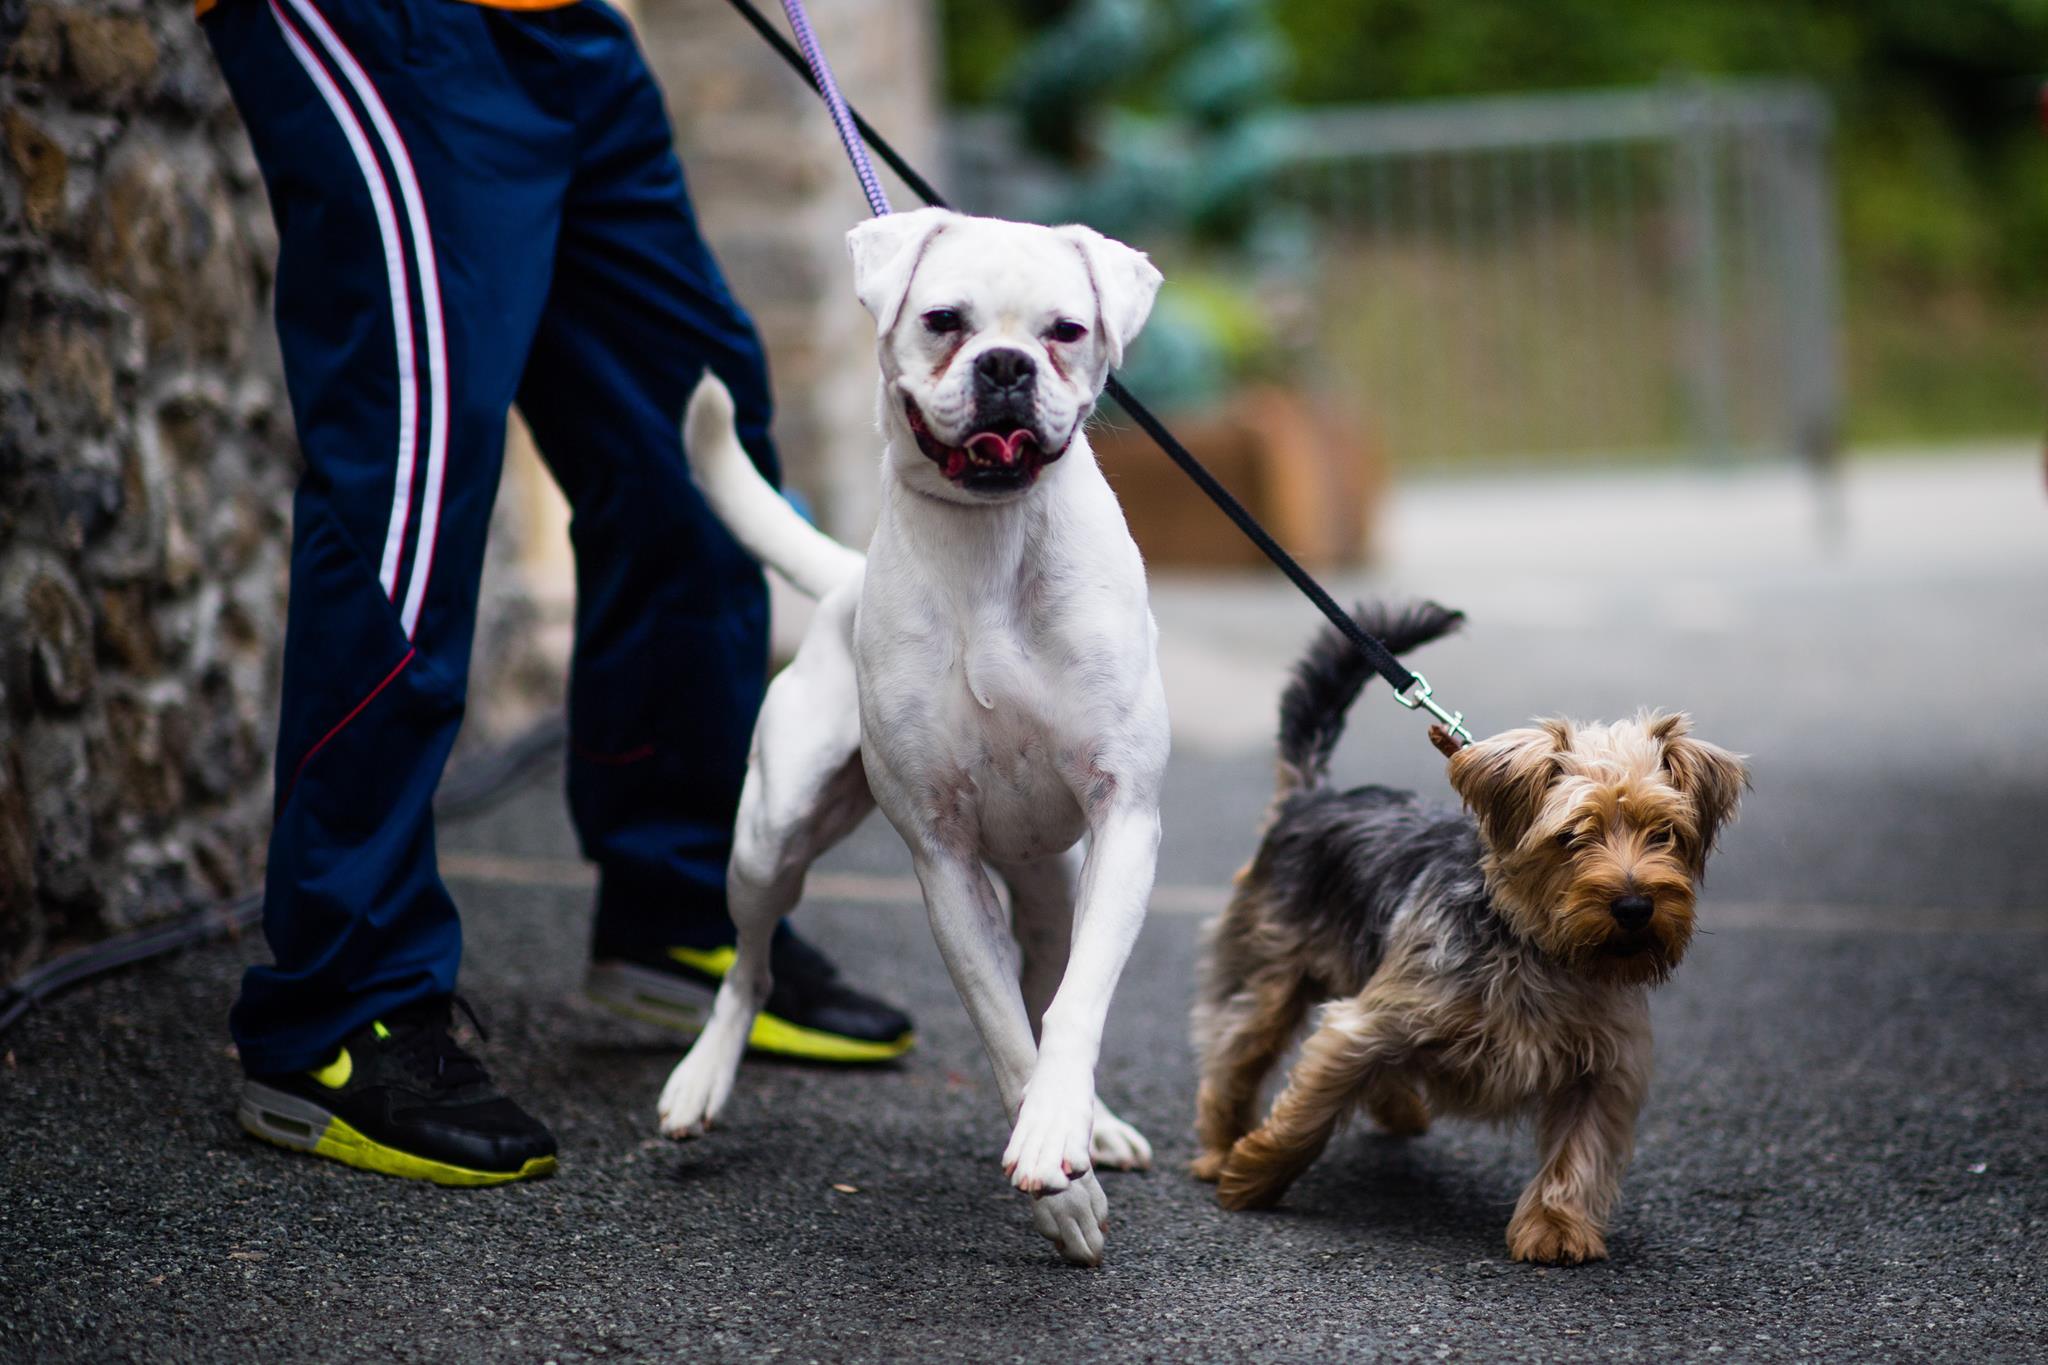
1339,868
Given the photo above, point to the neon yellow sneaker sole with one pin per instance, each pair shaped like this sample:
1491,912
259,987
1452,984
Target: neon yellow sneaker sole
784,1039
657,997
300,1126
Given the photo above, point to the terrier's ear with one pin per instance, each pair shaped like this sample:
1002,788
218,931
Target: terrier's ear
1503,778
1712,777
885,254
1125,282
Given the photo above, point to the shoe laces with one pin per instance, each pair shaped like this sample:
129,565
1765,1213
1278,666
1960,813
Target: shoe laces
422,1042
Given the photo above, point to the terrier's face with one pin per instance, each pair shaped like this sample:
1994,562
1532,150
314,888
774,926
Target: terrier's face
1597,836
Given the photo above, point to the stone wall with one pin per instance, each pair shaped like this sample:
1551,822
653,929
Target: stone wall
145,467
146,451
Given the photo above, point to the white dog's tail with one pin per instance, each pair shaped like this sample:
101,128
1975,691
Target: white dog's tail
758,516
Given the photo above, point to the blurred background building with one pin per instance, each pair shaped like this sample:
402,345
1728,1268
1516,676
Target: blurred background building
1409,243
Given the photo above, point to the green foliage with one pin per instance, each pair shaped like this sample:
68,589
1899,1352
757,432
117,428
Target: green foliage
1353,50
1076,67
1934,363
1936,98
1153,110
1940,140
1940,146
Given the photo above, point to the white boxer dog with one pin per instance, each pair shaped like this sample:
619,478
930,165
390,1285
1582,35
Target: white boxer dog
987,676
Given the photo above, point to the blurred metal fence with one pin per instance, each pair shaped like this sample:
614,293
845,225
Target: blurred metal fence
1630,273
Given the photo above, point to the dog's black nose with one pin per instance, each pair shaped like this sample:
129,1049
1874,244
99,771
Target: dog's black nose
1633,912
1004,368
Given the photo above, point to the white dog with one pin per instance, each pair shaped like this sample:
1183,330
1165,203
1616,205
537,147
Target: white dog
987,676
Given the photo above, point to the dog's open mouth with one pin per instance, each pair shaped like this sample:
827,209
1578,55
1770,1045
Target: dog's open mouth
989,461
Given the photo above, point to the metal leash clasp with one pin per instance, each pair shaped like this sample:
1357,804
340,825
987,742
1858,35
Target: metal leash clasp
1418,696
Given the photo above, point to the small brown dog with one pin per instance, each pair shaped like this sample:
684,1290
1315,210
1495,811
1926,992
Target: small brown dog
1491,965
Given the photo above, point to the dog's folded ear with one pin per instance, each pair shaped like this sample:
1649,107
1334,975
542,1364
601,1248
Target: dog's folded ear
1713,777
885,253
1504,778
1125,284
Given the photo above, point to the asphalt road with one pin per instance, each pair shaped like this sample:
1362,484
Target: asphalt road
1845,1154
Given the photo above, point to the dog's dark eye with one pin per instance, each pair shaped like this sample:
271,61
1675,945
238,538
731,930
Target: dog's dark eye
1564,839
1068,330
940,321
1659,838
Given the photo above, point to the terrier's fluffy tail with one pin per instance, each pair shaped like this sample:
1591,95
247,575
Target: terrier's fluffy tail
758,516
1329,677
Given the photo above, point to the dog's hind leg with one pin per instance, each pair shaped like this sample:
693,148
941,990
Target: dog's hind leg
1341,1060
1116,1145
1398,1107
1042,917
805,790
1243,1038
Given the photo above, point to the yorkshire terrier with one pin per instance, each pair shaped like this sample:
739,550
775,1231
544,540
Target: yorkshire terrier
1491,965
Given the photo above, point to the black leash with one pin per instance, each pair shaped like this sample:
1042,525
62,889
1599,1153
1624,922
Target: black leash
1411,689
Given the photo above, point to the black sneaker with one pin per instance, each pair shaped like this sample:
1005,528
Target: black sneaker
403,1098
811,1014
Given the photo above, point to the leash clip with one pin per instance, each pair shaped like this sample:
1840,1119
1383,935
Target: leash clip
1418,696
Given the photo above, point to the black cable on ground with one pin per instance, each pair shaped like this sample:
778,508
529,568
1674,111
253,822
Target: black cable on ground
481,782
473,786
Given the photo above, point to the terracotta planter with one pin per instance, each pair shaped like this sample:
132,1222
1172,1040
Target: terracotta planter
1313,483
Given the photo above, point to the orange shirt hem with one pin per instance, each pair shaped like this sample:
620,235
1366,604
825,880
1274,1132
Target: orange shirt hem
200,7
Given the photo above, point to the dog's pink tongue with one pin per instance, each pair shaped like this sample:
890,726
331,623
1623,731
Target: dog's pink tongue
1004,450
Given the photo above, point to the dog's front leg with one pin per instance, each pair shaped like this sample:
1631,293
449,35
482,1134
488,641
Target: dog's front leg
1043,895
1587,1133
1357,1043
982,958
1051,1141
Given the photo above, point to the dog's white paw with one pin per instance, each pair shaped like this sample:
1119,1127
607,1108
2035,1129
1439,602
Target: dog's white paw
1116,1146
1049,1145
698,1088
1074,1219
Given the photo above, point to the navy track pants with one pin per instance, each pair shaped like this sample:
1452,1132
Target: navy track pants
477,207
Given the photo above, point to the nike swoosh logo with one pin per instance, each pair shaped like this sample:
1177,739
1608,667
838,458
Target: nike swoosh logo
336,1073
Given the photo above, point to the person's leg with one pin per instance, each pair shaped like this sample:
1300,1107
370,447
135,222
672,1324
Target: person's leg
672,620
672,615
411,274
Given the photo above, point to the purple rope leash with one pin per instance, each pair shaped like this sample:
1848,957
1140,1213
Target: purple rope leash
842,117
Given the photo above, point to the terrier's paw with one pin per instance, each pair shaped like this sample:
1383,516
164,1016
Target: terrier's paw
1074,1219
1209,1165
1249,1181
1049,1145
697,1090
1400,1111
1115,1145
1554,1236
